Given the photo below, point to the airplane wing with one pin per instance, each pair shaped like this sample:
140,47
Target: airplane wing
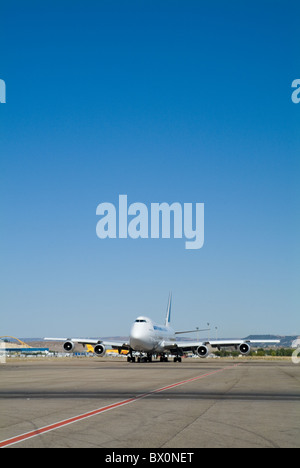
203,349
224,343
99,345
74,340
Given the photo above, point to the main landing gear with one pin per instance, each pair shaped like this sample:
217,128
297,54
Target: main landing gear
140,358
164,358
130,357
148,358
145,358
177,359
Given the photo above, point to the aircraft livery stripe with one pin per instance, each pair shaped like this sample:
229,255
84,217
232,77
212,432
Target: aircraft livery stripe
65,422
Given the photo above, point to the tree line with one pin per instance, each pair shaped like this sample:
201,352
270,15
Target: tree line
288,352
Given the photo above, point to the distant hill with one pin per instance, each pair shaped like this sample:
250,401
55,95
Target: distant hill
285,341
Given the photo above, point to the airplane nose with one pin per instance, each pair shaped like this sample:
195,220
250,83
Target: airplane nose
138,338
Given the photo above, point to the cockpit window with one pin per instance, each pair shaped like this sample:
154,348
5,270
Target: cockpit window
141,321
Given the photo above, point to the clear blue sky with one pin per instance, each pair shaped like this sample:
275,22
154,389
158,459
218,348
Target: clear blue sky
186,101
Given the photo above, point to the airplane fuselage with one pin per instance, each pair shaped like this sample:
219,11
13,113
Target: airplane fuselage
147,336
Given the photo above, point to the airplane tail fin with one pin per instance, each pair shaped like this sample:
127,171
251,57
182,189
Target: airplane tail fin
168,316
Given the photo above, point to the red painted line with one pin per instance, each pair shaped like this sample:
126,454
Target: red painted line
52,427
65,422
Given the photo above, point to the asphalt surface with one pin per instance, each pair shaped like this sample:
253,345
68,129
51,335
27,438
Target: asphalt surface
123,405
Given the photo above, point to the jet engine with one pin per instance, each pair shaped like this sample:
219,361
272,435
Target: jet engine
202,351
69,346
244,349
99,350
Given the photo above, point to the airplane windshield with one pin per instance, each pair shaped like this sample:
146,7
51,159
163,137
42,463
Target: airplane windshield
140,321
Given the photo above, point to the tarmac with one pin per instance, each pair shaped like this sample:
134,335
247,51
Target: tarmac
109,403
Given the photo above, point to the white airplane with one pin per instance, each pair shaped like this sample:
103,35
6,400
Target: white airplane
148,338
